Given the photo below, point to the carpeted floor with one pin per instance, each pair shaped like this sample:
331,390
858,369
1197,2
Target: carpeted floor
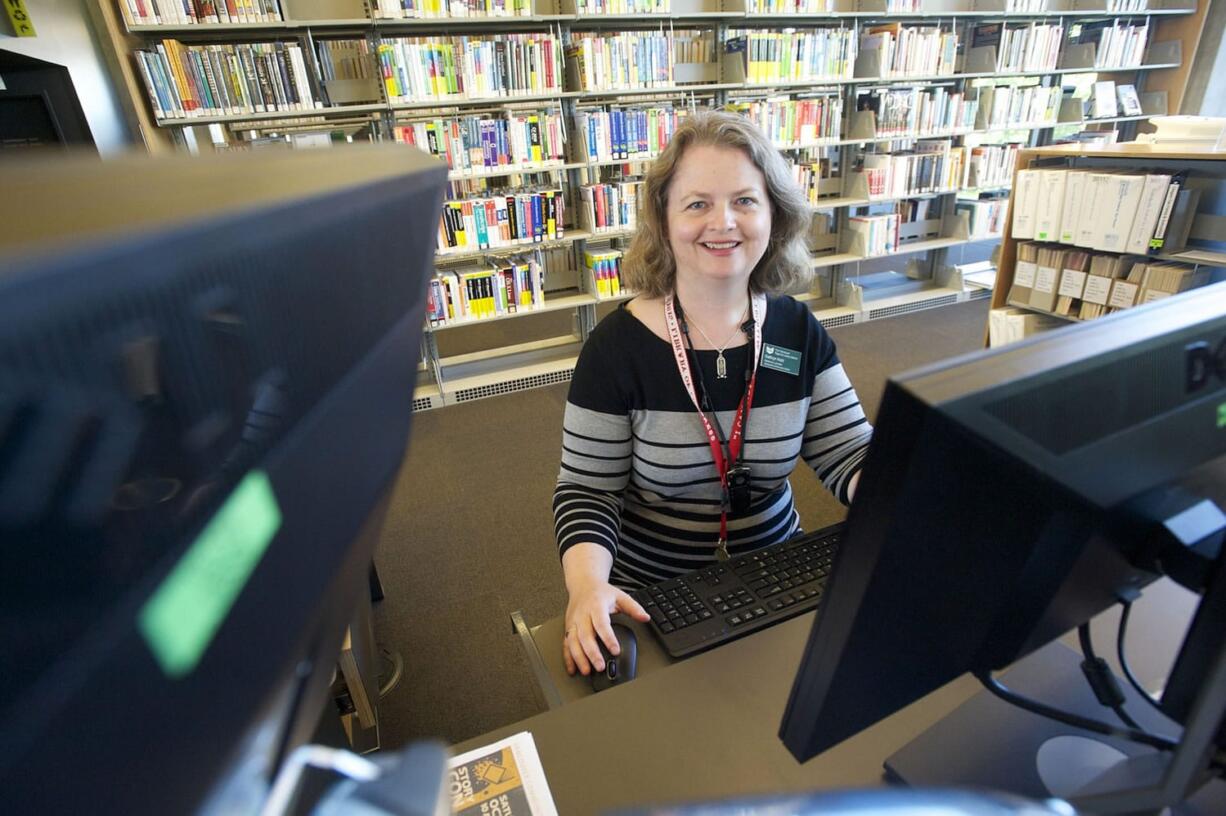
469,536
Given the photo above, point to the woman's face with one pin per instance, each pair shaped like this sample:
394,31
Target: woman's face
719,215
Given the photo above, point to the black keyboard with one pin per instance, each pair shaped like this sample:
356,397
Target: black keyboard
725,601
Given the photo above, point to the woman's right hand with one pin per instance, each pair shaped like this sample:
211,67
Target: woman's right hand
591,603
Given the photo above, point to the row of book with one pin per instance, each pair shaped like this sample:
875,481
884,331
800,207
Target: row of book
1009,325
433,9
789,6
624,60
795,122
609,207
193,12
873,235
903,50
623,6
815,178
933,166
604,270
346,59
984,217
1003,106
991,166
1117,43
625,133
1021,47
495,222
186,81
470,67
916,112
484,289
1085,285
1109,210
808,55
516,140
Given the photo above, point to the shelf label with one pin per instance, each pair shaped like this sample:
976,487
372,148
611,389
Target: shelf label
1097,289
23,26
1123,294
1024,274
1046,279
1072,283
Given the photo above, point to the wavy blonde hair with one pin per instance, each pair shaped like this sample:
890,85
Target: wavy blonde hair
650,268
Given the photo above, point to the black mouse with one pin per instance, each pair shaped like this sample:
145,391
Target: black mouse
620,668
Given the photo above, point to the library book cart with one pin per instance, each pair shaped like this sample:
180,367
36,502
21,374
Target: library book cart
901,119
1200,250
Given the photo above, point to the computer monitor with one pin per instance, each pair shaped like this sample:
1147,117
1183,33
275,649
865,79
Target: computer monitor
1008,497
207,370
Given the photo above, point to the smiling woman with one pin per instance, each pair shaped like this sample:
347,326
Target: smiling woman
663,469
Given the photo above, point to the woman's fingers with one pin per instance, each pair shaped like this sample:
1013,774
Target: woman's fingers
627,604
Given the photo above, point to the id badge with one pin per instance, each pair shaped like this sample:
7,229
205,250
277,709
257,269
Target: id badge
738,489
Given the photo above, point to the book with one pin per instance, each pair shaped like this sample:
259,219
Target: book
504,777
1025,203
1024,272
1130,103
1103,101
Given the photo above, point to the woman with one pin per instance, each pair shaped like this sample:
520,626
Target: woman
654,480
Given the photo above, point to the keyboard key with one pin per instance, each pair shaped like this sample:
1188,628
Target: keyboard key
759,611
666,627
776,604
704,614
692,617
735,620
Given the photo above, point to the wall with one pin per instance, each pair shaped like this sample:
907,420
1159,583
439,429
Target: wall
66,36
1206,95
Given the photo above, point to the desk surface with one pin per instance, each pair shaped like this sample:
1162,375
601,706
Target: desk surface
707,727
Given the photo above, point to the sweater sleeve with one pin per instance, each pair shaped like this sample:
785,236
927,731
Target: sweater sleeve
837,432
596,452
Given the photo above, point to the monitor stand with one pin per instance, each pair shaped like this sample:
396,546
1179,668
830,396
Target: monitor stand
987,743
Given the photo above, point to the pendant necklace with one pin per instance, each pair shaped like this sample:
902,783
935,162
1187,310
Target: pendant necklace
721,365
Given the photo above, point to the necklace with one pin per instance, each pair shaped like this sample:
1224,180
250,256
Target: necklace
721,365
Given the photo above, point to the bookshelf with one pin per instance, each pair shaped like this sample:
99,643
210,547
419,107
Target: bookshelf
854,282
1203,252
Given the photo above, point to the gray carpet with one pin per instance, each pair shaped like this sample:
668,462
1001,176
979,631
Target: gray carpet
469,536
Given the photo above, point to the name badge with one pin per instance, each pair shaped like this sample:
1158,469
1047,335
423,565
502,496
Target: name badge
778,358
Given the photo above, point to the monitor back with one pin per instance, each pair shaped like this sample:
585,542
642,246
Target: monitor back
206,380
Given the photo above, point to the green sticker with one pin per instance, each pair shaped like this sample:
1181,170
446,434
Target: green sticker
782,359
183,615
1221,415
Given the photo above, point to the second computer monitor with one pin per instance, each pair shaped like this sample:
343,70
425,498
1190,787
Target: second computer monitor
996,507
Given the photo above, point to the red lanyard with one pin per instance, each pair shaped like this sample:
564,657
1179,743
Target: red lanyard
736,438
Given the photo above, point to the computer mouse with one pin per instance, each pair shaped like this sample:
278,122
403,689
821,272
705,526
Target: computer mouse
620,668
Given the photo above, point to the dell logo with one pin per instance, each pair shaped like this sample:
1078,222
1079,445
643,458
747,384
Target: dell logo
1203,362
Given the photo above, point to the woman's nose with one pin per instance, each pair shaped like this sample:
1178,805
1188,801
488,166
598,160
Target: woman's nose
723,216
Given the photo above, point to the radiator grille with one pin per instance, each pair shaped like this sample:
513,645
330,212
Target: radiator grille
511,386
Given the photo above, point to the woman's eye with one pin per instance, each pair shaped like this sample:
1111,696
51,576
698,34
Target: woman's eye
694,205
747,200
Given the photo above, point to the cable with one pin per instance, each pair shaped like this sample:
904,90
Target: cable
393,657
1035,707
1101,679
1123,658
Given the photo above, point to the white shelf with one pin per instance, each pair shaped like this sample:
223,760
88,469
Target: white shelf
1204,257
568,238
590,21
550,305
824,261
494,172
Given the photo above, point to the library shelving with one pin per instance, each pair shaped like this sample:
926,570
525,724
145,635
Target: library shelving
1183,237
837,84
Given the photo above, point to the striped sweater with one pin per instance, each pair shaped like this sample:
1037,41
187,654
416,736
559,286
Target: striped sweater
637,475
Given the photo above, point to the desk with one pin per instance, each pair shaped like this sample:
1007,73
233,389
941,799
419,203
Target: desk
707,727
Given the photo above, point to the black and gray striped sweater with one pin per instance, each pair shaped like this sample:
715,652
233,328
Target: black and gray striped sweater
637,475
